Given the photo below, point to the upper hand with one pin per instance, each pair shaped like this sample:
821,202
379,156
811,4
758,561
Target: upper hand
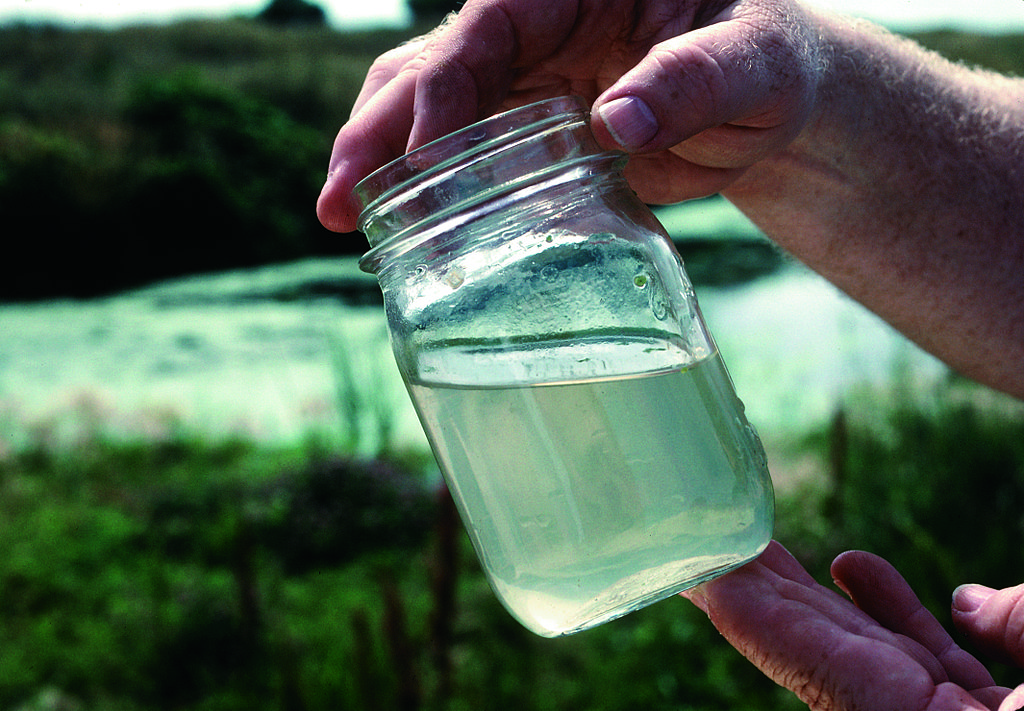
698,89
881,651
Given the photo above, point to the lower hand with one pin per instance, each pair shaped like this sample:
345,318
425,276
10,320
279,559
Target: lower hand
879,650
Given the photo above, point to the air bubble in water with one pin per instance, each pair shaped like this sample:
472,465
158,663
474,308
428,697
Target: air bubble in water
454,278
659,305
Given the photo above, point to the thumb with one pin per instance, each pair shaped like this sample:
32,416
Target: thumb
743,86
992,619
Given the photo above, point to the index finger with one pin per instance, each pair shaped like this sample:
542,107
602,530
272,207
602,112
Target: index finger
371,138
876,587
469,68
415,94
385,68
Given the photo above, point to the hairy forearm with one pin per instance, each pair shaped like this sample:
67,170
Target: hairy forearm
907,191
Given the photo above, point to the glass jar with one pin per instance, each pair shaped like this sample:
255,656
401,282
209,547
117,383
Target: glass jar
555,354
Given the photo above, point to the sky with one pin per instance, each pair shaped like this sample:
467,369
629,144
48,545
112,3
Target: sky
112,13
905,15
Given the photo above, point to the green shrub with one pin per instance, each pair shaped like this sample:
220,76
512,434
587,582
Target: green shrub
333,511
218,163
936,482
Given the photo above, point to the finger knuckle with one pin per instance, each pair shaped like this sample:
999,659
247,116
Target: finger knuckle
696,83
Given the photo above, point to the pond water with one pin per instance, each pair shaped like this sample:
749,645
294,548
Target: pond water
258,352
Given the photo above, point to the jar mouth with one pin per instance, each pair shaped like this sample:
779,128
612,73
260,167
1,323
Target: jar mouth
461,147
497,164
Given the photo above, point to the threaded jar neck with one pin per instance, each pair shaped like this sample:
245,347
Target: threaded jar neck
490,166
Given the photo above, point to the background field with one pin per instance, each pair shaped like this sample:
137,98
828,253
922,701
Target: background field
150,561
133,155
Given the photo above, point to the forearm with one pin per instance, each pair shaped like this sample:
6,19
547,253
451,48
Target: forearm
907,191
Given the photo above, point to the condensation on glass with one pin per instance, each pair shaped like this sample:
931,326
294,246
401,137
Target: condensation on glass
553,348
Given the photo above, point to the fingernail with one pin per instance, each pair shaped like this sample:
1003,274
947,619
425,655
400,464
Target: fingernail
630,121
968,598
839,584
697,596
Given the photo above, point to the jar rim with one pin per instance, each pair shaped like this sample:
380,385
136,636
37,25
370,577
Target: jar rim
416,163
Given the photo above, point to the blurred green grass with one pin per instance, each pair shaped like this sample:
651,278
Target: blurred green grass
186,573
